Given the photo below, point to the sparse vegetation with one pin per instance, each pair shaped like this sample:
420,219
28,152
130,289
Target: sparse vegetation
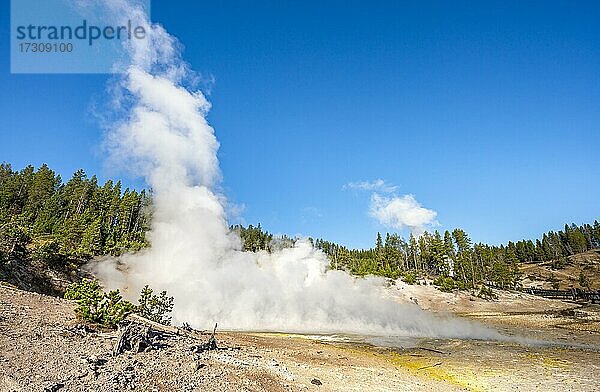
409,277
445,283
486,293
109,309
155,307
584,281
554,282
559,263
95,306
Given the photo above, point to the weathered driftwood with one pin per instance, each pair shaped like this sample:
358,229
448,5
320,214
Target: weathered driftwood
134,338
138,334
187,331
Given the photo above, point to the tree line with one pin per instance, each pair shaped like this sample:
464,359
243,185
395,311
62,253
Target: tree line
43,217
456,261
451,257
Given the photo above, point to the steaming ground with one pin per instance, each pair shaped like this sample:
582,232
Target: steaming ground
45,347
286,291
164,137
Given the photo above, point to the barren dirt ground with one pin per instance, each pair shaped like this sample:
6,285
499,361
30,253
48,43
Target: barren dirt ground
44,347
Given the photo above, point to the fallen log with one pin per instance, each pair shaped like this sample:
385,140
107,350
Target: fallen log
169,329
431,349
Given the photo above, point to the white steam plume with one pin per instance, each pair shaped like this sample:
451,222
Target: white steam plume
166,139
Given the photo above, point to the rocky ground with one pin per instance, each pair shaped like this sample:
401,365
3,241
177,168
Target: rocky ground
43,347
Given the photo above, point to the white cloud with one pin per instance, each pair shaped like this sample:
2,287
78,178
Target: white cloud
377,185
400,212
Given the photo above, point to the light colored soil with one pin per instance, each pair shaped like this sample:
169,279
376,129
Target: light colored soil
512,311
541,275
430,298
40,348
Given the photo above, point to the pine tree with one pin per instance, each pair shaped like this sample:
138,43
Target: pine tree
438,252
91,241
464,262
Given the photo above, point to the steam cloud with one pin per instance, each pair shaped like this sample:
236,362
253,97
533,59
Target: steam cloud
165,138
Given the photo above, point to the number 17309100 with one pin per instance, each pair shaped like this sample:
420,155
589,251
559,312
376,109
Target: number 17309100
46,47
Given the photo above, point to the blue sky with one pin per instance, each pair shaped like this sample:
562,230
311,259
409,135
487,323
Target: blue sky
487,112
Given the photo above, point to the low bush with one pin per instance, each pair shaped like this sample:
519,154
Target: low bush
559,263
109,309
106,309
486,293
584,281
445,283
155,307
409,277
49,252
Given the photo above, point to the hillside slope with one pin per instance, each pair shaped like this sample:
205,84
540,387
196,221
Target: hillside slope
564,275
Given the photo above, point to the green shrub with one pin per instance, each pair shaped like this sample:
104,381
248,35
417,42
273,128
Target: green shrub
109,309
409,277
445,283
554,282
486,293
14,238
389,272
559,263
49,252
96,306
584,281
461,285
155,307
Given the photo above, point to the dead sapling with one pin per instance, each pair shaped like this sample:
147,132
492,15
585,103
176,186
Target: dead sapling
211,344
